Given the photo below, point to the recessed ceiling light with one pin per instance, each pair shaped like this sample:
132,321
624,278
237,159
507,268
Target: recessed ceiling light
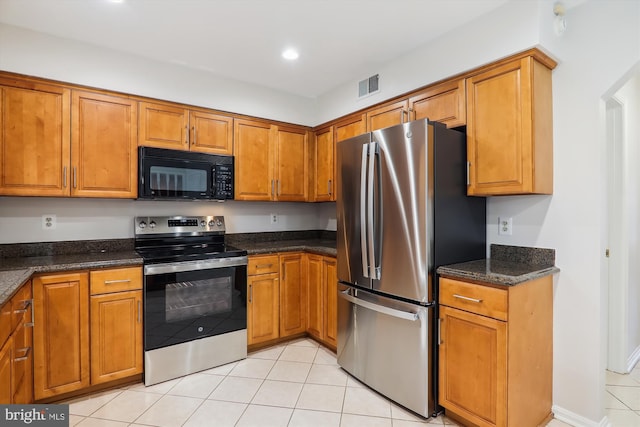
290,54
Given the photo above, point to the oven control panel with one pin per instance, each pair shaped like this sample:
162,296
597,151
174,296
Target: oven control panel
145,225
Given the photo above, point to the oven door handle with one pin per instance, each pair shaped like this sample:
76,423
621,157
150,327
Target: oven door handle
204,264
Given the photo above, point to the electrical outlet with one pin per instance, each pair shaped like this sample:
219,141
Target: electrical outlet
49,222
505,226
274,218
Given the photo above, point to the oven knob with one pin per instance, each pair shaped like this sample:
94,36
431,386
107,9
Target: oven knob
142,224
200,329
211,223
152,224
218,222
203,223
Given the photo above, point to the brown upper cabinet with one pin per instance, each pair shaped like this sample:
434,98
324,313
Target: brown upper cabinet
323,181
104,154
35,140
179,128
388,115
58,142
350,126
510,128
271,162
444,103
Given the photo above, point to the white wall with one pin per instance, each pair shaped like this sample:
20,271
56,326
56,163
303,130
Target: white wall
629,97
37,54
86,219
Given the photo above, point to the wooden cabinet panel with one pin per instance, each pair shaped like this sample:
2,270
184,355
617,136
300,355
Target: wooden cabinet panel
22,364
104,155
6,389
263,313
115,280
476,299
315,296
350,127
330,282
293,298
163,126
473,357
61,334
387,115
291,165
444,103
34,139
509,129
324,185
116,323
253,161
211,133
263,264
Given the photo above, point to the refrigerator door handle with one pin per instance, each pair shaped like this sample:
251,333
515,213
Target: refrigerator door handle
370,207
363,212
406,315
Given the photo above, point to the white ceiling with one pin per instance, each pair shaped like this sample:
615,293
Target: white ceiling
338,40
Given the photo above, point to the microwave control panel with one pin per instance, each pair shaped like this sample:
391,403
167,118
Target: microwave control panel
223,181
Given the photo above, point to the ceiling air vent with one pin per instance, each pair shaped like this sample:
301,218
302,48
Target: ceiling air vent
368,86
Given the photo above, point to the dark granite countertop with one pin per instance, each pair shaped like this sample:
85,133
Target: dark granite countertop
21,261
318,246
507,265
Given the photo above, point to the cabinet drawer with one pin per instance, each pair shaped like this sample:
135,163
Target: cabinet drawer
263,265
478,299
115,280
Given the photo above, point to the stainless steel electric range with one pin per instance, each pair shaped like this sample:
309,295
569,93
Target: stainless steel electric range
195,288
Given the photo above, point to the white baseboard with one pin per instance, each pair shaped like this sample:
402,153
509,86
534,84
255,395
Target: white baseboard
633,359
576,420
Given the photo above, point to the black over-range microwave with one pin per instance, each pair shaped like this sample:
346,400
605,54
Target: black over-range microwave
173,175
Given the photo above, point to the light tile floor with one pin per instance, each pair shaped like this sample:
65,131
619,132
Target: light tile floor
295,384
622,398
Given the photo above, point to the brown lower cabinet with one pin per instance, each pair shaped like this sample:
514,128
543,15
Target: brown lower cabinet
496,352
290,294
322,284
65,360
16,350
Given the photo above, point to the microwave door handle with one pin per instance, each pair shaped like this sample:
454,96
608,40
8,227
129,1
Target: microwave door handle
363,210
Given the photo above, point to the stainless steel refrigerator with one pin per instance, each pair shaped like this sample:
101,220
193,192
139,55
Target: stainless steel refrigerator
402,211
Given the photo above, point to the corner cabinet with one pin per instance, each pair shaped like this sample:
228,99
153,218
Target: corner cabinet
496,352
510,128
271,162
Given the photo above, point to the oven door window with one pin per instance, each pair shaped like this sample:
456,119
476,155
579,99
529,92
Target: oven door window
180,307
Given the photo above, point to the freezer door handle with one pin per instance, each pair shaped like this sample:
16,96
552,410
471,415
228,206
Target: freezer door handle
370,207
406,315
363,211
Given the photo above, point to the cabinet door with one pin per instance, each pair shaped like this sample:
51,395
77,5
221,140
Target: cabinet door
253,161
444,103
61,334
509,130
324,184
116,322
211,133
473,366
330,285
163,126
291,168
6,389
104,154
388,115
34,139
22,365
315,296
263,314
350,127
293,298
